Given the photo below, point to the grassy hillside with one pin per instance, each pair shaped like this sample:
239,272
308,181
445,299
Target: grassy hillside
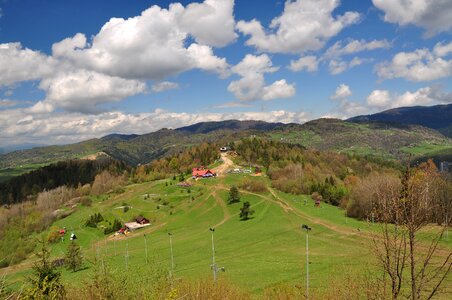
259,253
387,141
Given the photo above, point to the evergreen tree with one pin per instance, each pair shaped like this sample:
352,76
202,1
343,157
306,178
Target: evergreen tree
246,211
45,281
234,195
74,259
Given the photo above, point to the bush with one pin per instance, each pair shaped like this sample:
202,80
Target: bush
114,227
93,220
253,186
86,201
54,235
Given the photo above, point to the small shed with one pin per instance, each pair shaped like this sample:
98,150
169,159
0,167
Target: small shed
141,220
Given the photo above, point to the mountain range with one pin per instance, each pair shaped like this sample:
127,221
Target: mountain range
438,117
390,135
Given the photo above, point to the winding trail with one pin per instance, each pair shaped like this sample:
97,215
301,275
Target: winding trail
225,166
226,214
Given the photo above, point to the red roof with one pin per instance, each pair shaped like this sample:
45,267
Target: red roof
199,172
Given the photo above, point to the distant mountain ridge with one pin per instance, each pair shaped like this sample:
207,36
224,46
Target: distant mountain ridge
362,135
206,127
438,117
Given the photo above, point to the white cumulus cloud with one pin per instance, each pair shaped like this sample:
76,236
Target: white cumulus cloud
383,99
83,91
308,63
304,25
342,92
22,64
419,65
115,63
432,15
251,85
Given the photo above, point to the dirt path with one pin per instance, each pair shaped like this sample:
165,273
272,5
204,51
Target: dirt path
312,219
225,166
226,214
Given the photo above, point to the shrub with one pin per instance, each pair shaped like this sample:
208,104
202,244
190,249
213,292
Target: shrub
86,201
93,220
54,235
253,186
114,227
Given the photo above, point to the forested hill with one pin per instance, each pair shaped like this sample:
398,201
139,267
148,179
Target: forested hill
136,149
438,117
70,173
388,141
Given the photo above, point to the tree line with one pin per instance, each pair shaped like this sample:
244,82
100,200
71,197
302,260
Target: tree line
70,173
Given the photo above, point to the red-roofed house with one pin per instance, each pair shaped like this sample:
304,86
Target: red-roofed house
202,173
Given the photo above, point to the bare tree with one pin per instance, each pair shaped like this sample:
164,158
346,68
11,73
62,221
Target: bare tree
390,243
403,214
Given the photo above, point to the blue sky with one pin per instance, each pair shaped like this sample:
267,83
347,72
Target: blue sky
73,70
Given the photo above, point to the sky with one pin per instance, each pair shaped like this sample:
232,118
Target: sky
74,70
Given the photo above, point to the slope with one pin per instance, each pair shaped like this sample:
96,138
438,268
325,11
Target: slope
438,117
266,250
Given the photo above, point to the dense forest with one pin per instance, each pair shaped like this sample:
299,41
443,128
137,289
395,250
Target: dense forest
296,170
69,173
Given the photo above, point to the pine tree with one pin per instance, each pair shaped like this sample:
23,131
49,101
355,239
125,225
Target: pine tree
74,259
234,195
246,211
46,280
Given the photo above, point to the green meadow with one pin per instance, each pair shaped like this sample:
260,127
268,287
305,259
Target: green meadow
268,249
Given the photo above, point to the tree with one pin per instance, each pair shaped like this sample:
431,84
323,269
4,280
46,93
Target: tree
234,195
403,214
45,281
74,259
246,211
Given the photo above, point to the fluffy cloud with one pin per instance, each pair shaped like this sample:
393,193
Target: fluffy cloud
432,15
419,65
200,18
22,64
308,63
251,85
304,25
73,127
383,99
441,50
342,92
379,99
152,45
83,91
344,107
164,86
114,64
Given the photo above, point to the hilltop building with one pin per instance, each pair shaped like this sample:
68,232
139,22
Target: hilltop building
201,172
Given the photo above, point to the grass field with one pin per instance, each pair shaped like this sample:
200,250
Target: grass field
266,250
8,173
